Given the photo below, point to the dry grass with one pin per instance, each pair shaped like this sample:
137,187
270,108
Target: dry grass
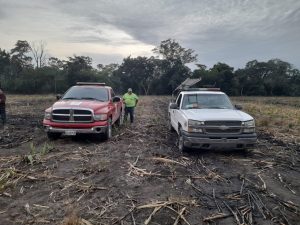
289,101
7,178
72,219
279,116
18,104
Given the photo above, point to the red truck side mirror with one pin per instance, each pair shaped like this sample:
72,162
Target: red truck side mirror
58,96
116,99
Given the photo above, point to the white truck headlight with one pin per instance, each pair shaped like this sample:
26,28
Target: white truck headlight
98,117
195,126
249,123
249,126
47,116
195,123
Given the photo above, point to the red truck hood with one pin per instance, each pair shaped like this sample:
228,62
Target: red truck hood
89,104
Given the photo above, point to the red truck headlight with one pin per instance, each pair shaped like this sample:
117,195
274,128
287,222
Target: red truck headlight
98,117
47,116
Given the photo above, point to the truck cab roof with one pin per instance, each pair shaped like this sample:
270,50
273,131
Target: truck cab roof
201,92
93,84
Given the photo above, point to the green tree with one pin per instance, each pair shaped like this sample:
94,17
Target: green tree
278,77
174,53
295,82
55,63
105,74
226,79
173,68
137,73
4,68
274,77
220,75
79,68
20,58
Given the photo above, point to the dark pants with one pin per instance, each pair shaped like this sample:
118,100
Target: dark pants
130,111
3,114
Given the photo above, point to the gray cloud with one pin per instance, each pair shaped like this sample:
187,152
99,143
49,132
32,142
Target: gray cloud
2,13
232,31
104,58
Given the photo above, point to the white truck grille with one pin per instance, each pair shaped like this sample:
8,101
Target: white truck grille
222,127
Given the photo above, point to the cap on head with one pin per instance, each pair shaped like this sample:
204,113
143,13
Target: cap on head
129,90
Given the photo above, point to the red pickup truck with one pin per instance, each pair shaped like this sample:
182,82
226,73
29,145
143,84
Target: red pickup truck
89,108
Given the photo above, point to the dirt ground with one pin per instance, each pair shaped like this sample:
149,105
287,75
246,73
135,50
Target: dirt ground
139,176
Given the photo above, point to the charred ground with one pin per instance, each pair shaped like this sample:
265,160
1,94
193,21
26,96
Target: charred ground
139,176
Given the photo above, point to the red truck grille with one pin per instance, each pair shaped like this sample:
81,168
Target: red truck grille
72,115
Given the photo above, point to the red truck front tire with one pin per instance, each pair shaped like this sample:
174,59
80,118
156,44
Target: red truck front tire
108,132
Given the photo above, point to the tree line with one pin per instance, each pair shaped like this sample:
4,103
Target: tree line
25,69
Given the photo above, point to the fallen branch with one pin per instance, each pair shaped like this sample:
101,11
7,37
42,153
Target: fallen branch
285,184
216,217
123,217
188,181
211,174
233,213
264,187
167,203
215,200
156,209
85,222
41,206
137,171
165,160
242,187
133,220
180,215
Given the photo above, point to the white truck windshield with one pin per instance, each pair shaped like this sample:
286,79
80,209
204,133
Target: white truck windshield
206,101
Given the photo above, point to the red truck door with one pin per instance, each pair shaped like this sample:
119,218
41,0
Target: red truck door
115,107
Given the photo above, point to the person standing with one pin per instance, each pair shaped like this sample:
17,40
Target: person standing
2,107
130,99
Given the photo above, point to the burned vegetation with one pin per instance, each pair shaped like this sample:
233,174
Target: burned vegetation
140,177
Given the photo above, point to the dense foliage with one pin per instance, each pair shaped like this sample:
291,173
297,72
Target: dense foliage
158,74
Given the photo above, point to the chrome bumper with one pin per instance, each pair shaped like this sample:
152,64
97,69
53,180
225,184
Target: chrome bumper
93,130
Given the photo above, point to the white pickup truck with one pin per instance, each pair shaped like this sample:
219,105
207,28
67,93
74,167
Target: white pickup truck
206,119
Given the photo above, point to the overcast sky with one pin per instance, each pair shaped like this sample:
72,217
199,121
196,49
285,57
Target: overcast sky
230,31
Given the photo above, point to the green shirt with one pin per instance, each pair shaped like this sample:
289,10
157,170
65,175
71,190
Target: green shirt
130,100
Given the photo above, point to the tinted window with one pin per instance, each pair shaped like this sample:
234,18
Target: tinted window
83,92
206,101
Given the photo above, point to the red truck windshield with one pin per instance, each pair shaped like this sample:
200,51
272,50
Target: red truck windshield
88,93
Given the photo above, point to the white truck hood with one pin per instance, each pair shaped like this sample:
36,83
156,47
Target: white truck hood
216,114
